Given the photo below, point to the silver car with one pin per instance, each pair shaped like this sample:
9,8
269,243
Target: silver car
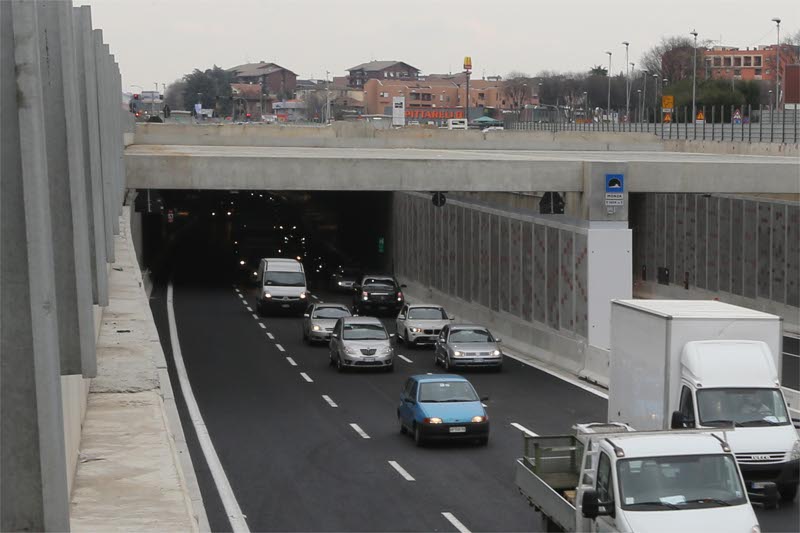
465,345
320,319
421,323
361,342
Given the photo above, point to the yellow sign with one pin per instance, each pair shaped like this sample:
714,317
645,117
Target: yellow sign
467,63
700,116
668,102
667,118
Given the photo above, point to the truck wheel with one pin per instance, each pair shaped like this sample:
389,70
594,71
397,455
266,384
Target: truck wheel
788,492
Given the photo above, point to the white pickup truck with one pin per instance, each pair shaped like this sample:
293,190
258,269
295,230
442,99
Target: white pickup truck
608,477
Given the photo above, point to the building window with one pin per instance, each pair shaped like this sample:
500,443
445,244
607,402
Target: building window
737,61
748,61
757,61
441,98
737,72
758,72
717,61
726,61
427,97
384,95
767,71
481,96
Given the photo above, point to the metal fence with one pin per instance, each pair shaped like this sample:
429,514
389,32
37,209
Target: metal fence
719,123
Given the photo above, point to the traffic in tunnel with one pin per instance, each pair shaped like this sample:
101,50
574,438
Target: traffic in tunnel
219,237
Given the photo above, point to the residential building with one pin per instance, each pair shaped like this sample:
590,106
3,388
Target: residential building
277,81
290,110
757,63
386,70
247,98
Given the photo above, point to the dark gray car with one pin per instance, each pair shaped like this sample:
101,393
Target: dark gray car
320,319
465,345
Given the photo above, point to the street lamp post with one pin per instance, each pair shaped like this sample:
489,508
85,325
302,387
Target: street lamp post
644,95
627,83
694,77
655,90
586,104
608,103
777,22
632,74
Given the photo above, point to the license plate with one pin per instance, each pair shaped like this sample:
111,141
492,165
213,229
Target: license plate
285,306
458,429
369,359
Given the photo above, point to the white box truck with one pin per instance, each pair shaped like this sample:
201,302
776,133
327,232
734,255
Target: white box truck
706,364
282,286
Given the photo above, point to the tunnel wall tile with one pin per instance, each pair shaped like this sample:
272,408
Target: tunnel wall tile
515,267
581,285
750,248
503,261
764,247
566,282
527,271
540,273
724,244
737,246
778,253
552,275
712,248
793,255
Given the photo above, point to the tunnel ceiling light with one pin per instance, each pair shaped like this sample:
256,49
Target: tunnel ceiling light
229,213
213,213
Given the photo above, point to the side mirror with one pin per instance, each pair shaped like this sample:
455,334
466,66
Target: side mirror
334,335
767,495
409,399
498,340
451,317
484,398
306,315
796,423
403,286
401,317
680,422
392,335
591,507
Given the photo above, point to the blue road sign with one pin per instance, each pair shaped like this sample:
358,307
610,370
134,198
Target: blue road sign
615,183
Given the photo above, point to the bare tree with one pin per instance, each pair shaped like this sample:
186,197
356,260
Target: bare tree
793,38
672,58
517,87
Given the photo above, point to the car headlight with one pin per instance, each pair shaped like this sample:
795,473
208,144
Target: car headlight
434,420
386,350
241,262
457,353
350,351
340,283
267,295
415,330
794,455
477,419
496,353
755,529
302,296
316,328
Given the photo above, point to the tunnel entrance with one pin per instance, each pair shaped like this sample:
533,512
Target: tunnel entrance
218,237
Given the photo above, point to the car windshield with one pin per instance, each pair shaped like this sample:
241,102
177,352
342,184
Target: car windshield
447,391
330,312
379,281
470,335
427,313
364,332
743,407
275,278
379,286
679,482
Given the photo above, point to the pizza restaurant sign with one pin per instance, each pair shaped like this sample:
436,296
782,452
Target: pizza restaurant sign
434,114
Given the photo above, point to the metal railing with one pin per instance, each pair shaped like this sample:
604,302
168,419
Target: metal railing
718,123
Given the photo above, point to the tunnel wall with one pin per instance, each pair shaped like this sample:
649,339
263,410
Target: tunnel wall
742,250
523,275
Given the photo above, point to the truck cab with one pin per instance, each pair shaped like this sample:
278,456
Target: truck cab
608,477
282,286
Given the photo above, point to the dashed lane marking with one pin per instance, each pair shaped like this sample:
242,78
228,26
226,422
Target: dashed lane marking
271,337
328,399
456,522
291,361
402,471
306,377
404,358
249,309
360,431
524,429
262,325
280,348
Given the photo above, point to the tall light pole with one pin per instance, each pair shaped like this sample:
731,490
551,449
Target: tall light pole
586,104
327,98
644,95
694,77
627,83
777,22
608,104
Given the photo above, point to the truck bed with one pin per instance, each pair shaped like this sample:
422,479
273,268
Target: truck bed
545,498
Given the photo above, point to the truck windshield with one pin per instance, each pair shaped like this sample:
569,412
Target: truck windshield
742,407
679,482
284,279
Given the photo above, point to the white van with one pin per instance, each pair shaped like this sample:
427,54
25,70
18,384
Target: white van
282,286
457,124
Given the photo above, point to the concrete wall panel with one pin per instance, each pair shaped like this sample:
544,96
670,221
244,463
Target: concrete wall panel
701,242
737,246
661,232
515,267
764,248
751,249
552,275
540,273
486,255
679,270
712,249
669,234
778,253
566,308
651,223
581,285
452,249
527,271
494,262
725,246
793,255
690,255
503,262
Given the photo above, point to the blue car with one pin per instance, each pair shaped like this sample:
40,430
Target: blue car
442,406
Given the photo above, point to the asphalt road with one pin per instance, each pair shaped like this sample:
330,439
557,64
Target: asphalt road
296,463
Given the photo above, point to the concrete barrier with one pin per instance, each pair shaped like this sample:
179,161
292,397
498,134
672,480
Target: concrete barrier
363,135
731,148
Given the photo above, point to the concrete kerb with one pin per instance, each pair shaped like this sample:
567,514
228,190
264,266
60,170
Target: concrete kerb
183,459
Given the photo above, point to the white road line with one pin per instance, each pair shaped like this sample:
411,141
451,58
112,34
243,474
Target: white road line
291,361
270,336
249,309
232,509
241,296
484,405
404,358
328,399
456,522
254,315
402,471
359,431
524,429
314,296
306,377
262,325
280,348
560,376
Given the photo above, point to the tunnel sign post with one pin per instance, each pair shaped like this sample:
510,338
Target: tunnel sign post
381,245
615,190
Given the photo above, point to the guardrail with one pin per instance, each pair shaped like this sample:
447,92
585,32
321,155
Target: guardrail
714,123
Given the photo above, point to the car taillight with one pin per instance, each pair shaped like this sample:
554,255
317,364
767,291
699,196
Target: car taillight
364,294
399,294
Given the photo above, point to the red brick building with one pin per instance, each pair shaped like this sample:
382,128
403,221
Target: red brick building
757,63
380,70
278,81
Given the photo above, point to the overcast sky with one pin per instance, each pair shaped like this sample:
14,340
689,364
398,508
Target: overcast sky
161,40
